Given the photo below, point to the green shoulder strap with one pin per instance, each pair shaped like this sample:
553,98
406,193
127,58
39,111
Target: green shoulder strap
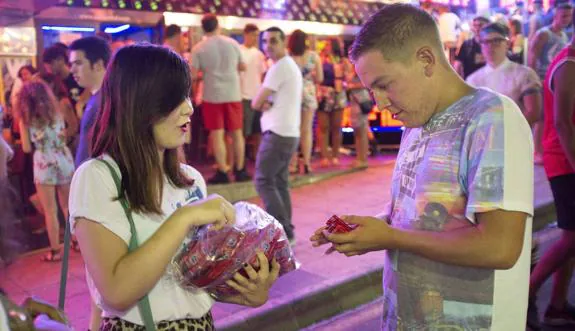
144,302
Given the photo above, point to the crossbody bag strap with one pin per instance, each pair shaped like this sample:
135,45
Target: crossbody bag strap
64,268
144,302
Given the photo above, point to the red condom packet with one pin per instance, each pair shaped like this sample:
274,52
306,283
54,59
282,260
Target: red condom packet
336,225
208,258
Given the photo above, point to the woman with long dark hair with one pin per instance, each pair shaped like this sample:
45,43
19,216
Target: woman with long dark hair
312,71
144,119
42,126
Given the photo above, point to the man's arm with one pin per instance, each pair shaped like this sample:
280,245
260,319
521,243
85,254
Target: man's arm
495,243
536,48
195,65
563,106
533,103
242,66
259,101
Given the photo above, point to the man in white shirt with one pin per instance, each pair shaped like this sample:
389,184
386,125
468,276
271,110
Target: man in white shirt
219,59
518,82
251,81
280,100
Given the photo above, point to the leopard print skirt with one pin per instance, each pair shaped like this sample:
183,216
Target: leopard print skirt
205,323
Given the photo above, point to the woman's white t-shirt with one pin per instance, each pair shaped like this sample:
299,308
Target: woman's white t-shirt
3,318
92,196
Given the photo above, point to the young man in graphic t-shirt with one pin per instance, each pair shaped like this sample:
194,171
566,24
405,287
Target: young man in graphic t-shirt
279,99
457,232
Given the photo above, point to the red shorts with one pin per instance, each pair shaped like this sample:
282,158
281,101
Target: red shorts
227,115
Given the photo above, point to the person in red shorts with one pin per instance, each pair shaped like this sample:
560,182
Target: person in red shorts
559,163
219,59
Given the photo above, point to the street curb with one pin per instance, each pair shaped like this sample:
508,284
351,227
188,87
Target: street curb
325,301
234,192
313,305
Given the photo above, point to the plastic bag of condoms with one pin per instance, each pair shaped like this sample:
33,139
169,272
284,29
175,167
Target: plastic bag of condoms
208,258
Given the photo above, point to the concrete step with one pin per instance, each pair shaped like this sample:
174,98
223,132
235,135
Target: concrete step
246,190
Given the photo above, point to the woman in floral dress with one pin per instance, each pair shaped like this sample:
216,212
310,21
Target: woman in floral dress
42,126
312,71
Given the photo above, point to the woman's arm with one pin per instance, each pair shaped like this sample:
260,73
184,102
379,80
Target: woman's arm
318,68
123,277
25,137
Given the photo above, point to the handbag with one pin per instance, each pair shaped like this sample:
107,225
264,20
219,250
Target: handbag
144,302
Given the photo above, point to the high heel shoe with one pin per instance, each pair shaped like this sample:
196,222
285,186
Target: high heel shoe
307,169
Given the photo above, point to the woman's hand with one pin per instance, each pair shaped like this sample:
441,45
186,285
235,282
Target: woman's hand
212,210
254,290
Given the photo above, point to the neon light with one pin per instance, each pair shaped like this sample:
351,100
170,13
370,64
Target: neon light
378,129
67,28
117,29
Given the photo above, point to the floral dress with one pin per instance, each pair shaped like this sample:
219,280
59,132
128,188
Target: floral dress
53,162
309,96
331,92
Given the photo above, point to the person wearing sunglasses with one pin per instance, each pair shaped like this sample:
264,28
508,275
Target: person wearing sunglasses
516,81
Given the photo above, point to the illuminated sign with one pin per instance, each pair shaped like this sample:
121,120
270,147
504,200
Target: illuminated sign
322,11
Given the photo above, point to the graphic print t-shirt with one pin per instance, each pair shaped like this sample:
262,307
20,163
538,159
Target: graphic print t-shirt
474,157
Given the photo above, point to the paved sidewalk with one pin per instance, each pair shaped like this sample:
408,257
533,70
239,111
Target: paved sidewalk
323,287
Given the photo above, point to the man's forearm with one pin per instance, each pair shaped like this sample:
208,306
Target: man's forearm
468,247
533,107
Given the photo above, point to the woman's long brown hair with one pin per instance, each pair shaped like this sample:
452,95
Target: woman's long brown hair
143,84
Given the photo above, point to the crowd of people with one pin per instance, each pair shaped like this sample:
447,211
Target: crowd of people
457,230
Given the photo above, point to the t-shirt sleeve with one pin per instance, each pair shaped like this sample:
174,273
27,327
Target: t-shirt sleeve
498,151
92,196
3,318
530,83
199,180
472,79
274,78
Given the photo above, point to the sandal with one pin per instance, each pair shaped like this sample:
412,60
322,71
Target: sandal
52,256
74,245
